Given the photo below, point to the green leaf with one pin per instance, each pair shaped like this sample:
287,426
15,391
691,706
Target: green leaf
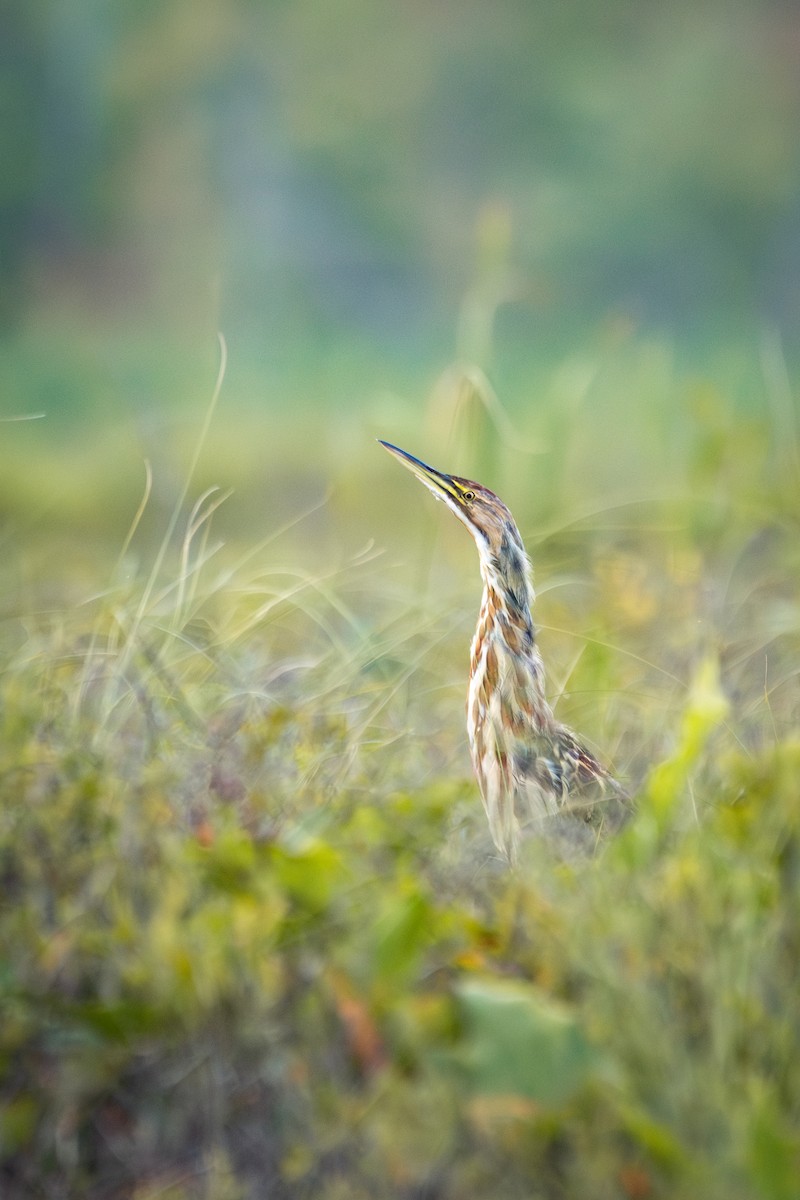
517,1041
308,875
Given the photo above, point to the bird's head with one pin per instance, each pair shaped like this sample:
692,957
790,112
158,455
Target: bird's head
484,514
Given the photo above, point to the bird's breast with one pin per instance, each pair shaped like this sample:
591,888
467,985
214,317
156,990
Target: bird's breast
505,702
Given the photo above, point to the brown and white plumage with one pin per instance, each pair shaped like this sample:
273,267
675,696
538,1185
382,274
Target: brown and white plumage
530,768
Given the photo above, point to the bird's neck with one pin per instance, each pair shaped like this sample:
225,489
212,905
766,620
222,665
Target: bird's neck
507,582
507,673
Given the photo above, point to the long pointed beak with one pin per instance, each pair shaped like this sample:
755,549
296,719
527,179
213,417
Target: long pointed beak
436,481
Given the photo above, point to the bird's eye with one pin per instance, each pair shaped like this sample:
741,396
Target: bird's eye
468,495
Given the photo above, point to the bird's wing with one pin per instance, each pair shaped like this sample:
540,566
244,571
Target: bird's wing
555,773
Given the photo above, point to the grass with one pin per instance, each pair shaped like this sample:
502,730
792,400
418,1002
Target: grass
255,940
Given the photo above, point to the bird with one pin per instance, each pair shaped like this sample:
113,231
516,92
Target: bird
533,772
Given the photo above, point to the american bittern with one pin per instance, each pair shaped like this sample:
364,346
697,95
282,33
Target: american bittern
527,763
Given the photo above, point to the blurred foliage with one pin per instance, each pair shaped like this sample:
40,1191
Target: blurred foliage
254,939
254,936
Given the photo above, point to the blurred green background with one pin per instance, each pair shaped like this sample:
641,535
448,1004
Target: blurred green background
253,940
357,193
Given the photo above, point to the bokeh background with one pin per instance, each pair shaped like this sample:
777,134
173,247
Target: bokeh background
254,939
356,194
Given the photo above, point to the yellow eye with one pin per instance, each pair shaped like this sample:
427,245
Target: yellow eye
468,494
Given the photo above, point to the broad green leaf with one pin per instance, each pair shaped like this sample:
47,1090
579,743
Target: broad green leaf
517,1041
